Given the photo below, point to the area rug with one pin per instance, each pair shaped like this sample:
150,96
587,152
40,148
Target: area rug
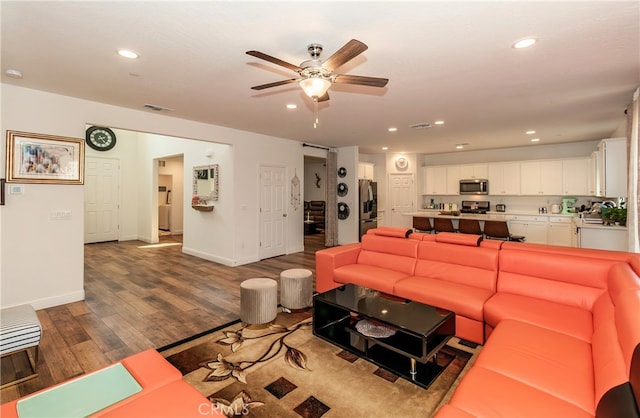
283,370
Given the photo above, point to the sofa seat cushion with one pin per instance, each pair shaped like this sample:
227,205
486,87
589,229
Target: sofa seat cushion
547,360
374,277
564,319
462,299
176,399
486,393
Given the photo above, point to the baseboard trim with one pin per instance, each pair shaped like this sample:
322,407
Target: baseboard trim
53,301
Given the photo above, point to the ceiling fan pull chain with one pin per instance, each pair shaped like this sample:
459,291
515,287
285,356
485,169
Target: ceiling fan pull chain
315,113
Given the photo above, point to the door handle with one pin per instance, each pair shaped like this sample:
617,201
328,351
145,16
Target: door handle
284,215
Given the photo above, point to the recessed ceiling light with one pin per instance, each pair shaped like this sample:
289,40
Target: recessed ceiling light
535,139
438,122
459,146
127,53
385,148
530,132
13,73
292,106
393,129
524,43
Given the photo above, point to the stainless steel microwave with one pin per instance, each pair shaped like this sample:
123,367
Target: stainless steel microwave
474,186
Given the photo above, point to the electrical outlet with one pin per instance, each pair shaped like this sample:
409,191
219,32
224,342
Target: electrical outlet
59,215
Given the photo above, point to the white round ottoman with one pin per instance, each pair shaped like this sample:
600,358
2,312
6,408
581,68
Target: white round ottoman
296,288
258,301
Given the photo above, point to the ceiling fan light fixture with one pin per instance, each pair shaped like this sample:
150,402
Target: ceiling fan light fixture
315,87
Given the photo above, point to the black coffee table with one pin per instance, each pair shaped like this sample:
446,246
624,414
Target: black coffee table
418,331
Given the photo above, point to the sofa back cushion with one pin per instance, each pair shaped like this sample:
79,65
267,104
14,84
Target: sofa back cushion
398,254
464,264
554,276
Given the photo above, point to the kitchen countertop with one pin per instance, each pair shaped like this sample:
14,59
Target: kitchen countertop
490,215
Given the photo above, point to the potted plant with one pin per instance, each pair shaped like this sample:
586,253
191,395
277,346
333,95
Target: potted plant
615,216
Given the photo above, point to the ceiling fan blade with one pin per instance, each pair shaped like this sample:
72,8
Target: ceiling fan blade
274,60
324,97
274,84
350,50
361,80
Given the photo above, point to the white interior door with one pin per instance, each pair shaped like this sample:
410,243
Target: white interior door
101,199
402,192
273,214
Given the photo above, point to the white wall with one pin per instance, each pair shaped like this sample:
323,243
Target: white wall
314,189
42,261
348,229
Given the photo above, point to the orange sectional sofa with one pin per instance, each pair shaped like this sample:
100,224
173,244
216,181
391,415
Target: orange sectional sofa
560,326
164,393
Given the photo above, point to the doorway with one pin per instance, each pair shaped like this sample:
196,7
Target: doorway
315,190
101,199
170,195
273,213
401,188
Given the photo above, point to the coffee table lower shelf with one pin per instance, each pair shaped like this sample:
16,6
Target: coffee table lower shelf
381,352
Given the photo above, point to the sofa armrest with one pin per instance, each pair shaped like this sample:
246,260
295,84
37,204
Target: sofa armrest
329,259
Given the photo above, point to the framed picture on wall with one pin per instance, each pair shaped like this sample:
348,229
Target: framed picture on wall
41,158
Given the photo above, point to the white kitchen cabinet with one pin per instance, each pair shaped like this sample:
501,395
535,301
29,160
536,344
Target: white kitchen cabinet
440,180
612,167
365,171
593,182
533,228
504,178
539,178
560,231
603,238
575,177
453,180
474,171
434,180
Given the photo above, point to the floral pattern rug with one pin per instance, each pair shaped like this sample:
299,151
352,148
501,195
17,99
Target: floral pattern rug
283,370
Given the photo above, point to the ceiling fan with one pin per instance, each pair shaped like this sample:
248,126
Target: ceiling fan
316,76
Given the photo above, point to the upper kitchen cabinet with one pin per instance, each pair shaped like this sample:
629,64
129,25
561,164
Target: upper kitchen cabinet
365,171
612,167
439,180
474,171
504,178
539,178
575,177
593,179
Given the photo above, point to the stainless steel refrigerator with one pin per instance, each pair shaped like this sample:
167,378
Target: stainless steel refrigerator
368,205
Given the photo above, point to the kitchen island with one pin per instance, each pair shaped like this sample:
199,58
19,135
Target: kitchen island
554,229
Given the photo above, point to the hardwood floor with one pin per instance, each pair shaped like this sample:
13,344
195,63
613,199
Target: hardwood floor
140,296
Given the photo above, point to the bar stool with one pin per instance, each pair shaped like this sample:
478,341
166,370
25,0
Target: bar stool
422,224
500,230
443,225
469,226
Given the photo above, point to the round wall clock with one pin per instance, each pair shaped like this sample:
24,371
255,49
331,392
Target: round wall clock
100,139
402,163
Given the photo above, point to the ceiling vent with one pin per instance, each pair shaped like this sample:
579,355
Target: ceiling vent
423,125
157,108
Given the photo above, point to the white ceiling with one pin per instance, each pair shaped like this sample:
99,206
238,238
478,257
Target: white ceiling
445,60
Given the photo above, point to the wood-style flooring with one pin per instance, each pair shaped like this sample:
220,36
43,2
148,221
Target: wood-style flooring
140,296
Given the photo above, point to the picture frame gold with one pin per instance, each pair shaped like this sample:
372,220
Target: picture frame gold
42,158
